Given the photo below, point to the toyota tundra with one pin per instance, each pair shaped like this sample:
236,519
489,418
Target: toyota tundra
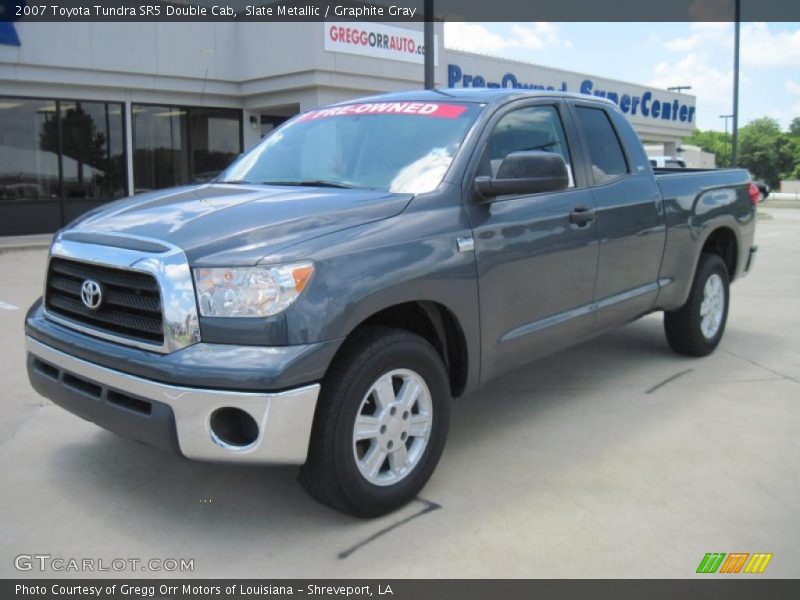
323,300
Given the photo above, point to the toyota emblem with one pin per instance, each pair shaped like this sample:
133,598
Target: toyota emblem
91,294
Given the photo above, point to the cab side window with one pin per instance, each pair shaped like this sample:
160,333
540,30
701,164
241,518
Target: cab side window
605,151
526,129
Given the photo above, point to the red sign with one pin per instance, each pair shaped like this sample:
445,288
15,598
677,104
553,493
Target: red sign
420,109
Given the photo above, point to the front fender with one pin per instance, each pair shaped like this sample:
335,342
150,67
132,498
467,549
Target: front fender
363,270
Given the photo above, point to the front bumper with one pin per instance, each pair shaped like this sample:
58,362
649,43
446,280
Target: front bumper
173,417
202,365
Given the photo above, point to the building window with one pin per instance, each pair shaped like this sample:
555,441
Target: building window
216,140
58,158
92,154
178,145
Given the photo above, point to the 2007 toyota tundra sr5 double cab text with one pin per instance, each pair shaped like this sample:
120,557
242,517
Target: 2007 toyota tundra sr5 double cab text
322,301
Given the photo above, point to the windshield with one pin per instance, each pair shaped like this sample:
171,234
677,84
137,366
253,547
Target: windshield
392,146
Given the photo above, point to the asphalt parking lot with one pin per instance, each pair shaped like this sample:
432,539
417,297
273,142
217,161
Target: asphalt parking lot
616,458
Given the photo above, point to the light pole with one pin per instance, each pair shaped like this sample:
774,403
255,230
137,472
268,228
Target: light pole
679,88
429,45
735,141
726,117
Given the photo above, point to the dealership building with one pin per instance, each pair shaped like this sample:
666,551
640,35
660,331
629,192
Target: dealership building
90,112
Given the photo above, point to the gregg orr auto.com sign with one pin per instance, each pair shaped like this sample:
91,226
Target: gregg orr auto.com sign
377,41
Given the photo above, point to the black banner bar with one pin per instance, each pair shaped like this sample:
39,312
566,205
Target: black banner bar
398,10
708,588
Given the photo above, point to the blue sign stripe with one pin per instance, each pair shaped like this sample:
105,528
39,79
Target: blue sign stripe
8,35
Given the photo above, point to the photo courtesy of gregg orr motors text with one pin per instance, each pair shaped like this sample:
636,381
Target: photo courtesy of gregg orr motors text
195,590
47,563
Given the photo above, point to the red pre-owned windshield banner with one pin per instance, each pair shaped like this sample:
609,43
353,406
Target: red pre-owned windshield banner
419,109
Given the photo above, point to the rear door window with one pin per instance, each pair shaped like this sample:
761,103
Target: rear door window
605,150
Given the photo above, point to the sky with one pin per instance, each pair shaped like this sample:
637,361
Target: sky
661,55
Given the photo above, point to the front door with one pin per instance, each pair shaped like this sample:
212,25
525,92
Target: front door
536,260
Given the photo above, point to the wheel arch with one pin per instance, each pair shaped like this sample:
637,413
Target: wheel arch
723,241
682,253
434,322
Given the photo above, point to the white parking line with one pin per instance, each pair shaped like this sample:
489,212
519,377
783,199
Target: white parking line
7,306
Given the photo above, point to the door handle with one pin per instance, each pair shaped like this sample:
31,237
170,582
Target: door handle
582,215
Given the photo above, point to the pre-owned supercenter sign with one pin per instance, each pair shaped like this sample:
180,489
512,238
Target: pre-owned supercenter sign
377,40
655,107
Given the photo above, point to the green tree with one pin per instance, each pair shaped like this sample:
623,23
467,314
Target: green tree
716,142
794,128
766,151
794,143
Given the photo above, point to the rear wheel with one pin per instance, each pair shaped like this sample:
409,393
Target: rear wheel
380,425
697,327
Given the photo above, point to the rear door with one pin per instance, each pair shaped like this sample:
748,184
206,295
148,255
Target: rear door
536,267
630,221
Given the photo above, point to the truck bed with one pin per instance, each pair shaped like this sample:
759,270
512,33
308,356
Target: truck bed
675,183
693,199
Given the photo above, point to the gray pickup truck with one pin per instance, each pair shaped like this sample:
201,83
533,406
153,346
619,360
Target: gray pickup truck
322,301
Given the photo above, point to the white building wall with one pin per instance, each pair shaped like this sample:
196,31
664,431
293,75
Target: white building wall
696,158
250,66
790,186
256,67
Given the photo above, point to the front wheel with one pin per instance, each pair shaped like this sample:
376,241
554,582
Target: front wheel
380,425
697,327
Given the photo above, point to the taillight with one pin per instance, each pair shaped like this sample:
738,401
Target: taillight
753,192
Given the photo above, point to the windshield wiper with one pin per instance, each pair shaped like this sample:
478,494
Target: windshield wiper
234,181
312,183
541,146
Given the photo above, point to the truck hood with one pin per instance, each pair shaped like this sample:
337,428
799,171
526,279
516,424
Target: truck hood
227,224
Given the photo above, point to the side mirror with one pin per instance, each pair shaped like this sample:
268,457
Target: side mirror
525,173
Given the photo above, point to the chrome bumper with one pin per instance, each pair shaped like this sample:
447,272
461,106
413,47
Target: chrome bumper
284,419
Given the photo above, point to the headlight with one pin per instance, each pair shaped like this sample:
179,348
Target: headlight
250,291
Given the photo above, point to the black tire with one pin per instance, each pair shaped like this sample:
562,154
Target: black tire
683,326
331,474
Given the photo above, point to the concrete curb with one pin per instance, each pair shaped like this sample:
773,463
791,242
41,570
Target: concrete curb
18,243
782,204
782,200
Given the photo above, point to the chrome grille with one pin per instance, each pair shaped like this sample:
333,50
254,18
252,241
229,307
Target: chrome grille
131,300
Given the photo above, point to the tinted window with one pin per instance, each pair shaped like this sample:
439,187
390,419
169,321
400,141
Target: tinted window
605,152
215,143
93,159
526,129
28,149
58,158
176,145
